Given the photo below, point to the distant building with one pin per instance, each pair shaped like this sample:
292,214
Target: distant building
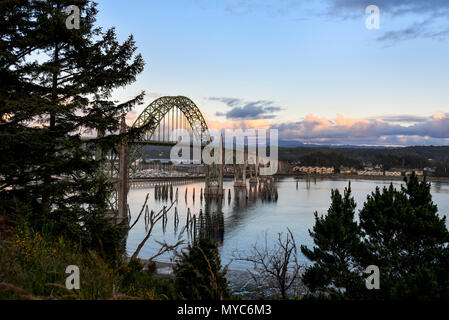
393,173
370,173
314,170
328,170
345,170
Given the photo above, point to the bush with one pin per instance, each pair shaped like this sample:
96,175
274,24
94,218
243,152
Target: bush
32,266
198,272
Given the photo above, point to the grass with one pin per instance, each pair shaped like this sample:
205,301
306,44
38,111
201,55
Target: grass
33,265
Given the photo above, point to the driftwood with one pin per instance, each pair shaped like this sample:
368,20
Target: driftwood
138,217
154,219
277,268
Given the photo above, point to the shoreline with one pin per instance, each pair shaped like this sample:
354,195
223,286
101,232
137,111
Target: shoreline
239,279
339,176
336,176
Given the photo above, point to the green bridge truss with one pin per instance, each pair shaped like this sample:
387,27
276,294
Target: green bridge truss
159,108
151,118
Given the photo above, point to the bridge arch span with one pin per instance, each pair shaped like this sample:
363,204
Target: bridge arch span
152,116
124,158
155,112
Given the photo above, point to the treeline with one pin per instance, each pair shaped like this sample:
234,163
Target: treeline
388,158
332,159
437,154
389,161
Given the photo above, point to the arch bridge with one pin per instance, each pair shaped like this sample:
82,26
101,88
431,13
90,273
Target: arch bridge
170,113
166,114
157,121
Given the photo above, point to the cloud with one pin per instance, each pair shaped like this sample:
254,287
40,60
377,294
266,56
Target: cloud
241,124
388,130
394,7
232,102
430,17
342,131
271,8
423,29
242,110
406,118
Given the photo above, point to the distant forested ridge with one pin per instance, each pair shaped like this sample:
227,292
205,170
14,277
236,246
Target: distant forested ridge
416,157
330,159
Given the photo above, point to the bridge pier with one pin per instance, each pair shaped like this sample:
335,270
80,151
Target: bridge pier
240,175
122,183
252,178
214,184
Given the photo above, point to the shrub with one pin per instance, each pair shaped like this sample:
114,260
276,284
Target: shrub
198,271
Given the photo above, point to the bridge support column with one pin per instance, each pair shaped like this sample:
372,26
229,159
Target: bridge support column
240,172
240,176
252,175
122,184
214,186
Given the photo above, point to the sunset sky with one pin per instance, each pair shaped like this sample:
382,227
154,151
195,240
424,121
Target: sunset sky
308,68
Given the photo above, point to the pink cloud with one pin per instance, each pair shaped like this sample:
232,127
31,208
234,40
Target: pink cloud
391,130
378,131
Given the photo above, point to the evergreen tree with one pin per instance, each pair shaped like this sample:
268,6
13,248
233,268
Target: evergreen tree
55,110
198,272
399,231
408,241
336,237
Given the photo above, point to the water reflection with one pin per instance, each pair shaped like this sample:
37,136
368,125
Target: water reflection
242,217
209,220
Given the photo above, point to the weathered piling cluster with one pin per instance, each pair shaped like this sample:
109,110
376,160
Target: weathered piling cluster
176,220
263,191
147,216
269,194
210,225
164,219
190,223
163,192
210,222
203,224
